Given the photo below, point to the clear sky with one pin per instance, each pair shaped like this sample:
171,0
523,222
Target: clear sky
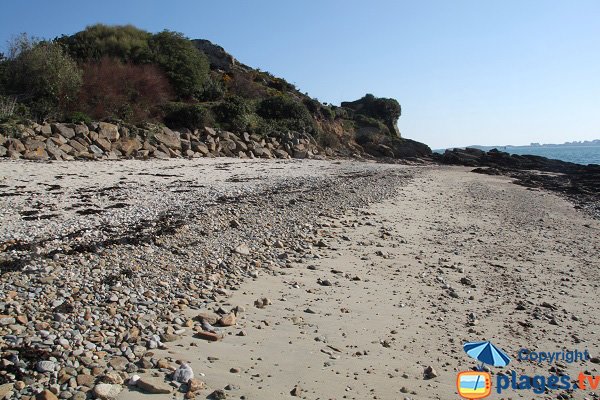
465,72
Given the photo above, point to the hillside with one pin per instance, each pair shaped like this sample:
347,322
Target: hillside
142,82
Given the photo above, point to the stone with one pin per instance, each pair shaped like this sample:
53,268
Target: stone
96,150
160,155
36,155
218,394
46,395
168,138
108,131
430,373
128,146
209,317
195,385
3,151
81,130
5,389
163,363
112,378
227,320
242,249
296,391
16,145
63,130
183,373
263,302
106,391
200,148
77,146
119,363
279,153
103,143
45,366
153,386
85,380
210,336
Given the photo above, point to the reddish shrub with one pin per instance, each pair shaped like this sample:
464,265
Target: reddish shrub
127,91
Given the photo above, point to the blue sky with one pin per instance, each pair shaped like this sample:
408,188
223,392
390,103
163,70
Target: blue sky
465,72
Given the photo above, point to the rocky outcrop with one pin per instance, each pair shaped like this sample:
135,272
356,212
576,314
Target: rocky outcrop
387,111
103,140
218,58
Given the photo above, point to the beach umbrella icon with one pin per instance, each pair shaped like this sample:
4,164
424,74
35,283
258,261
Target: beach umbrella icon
486,353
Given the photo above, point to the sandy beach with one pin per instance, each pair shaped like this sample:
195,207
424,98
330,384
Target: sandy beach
362,291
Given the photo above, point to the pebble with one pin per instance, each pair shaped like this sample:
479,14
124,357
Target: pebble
107,391
183,373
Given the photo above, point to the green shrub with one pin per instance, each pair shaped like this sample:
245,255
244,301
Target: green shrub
79,117
186,67
283,113
8,106
328,139
234,113
364,121
212,90
185,115
123,42
282,107
43,75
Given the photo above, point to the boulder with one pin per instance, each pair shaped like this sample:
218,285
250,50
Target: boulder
128,146
108,131
199,147
96,150
16,145
104,144
36,155
81,130
279,153
54,151
45,129
3,151
168,138
77,146
64,130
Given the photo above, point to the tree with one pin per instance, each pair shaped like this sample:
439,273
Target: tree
42,76
186,67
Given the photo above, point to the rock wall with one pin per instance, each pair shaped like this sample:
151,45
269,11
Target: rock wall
102,141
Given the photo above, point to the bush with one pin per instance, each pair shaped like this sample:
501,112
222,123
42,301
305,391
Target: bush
212,90
285,114
186,67
126,43
282,107
8,105
328,139
364,121
244,84
185,115
129,92
43,76
237,114
79,117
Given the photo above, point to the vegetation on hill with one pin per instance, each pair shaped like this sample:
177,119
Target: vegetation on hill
125,73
